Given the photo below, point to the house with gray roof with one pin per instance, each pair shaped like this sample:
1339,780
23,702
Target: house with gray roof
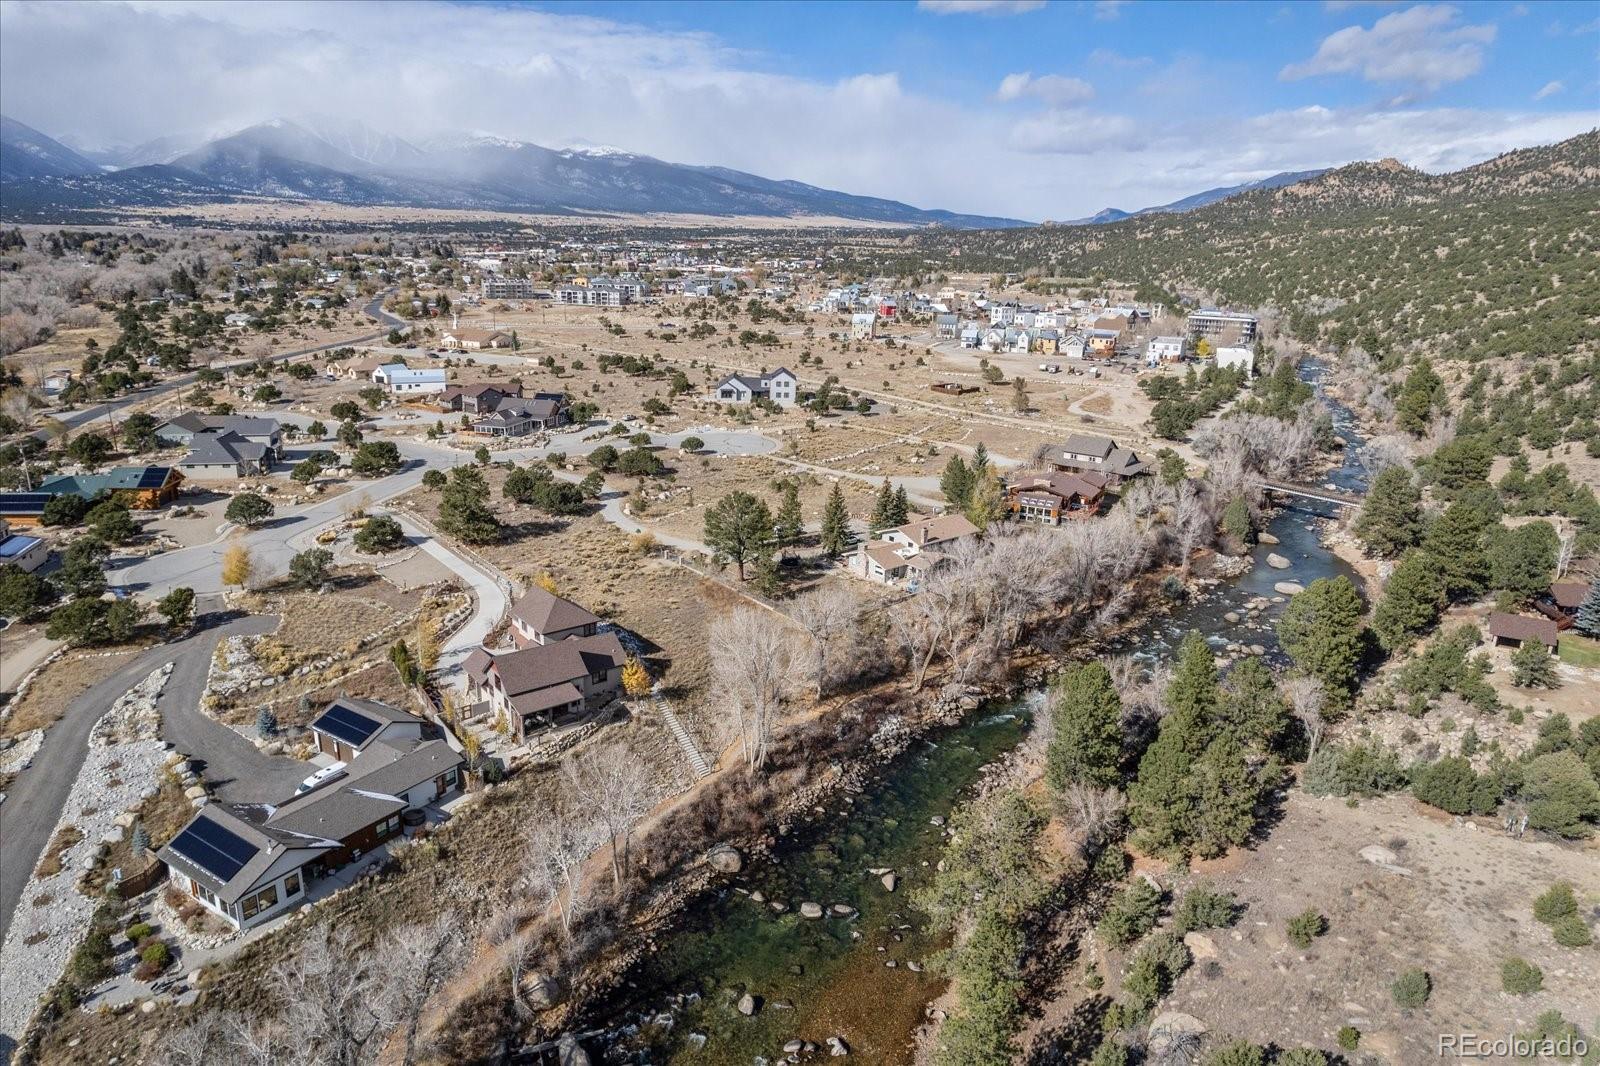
214,456
181,430
248,863
780,386
1083,453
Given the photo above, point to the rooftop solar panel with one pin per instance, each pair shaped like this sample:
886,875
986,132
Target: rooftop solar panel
342,722
23,502
153,477
214,849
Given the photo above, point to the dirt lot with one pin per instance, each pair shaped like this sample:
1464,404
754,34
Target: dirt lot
1463,908
59,684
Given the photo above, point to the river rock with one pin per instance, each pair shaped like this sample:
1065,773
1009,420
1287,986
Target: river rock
570,1053
1232,618
725,859
810,910
889,881
748,1005
1276,561
1289,588
1266,538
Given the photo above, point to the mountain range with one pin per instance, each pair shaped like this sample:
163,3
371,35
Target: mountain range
347,162
1199,199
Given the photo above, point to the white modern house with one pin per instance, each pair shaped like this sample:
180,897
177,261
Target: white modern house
1163,350
863,325
780,386
403,381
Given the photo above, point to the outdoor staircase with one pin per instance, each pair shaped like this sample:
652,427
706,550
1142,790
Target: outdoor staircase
697,760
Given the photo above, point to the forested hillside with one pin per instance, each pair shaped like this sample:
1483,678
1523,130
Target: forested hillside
1502,258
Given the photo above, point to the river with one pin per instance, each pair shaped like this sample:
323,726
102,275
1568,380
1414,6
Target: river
851,975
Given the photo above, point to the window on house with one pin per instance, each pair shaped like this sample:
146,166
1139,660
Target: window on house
291,885
253,905
599,678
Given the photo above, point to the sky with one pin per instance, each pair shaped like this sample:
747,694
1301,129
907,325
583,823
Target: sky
1034,109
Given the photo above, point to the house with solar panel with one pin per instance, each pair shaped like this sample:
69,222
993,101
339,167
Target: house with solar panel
140,487
348,726
248,863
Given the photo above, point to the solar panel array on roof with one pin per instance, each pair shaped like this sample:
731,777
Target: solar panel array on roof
23,502
214,849
153,477
347,724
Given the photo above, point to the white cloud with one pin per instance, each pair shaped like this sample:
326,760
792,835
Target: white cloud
1106,10
1424,45
979,7
1550,89
1053,89
120,73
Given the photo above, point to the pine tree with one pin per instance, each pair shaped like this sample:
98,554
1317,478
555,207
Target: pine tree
1391,519
141,839
956,483
1421,391
1588,620
1161,800
1087,714
1194,693
1321,630
1455,544
1225,793
987,503
1532,666
980,459
1412,600
790,525
902,507
739,527
883,510
835,524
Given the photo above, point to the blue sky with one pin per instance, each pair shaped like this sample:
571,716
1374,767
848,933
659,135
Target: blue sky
1028,109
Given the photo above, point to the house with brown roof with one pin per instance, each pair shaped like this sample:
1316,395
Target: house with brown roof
1053,497
361,368
1084,453
542,617
480,398
536,686
911,551
1511,630
248,863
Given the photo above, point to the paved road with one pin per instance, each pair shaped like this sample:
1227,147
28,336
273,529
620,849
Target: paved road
33,806
85,415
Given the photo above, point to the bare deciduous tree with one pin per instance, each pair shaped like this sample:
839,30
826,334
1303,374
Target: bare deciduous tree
1094,812
613,784
826,614
1307,697
753,670
558,844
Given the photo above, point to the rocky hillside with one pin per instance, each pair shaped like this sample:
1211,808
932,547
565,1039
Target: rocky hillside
1501,258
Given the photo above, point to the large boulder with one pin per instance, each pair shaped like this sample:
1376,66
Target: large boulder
748,1005
1276,561
1288,588
810,910
570,1053
889,881
725,859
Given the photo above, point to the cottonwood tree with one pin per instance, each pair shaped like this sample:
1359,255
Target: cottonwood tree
753,670
1307,697
825,614
614,786
558,845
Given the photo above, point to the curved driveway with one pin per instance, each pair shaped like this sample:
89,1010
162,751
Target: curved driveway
33,805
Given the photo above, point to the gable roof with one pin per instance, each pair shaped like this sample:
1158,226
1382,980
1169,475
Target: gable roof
229,854
544,612
356,721
1569,594
218,449
543,665
923,529
1522,627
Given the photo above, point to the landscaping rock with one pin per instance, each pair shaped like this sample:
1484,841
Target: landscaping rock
194,792
837,1047
748,1005
810,910
889,881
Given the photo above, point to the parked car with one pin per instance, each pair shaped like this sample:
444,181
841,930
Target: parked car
320,778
